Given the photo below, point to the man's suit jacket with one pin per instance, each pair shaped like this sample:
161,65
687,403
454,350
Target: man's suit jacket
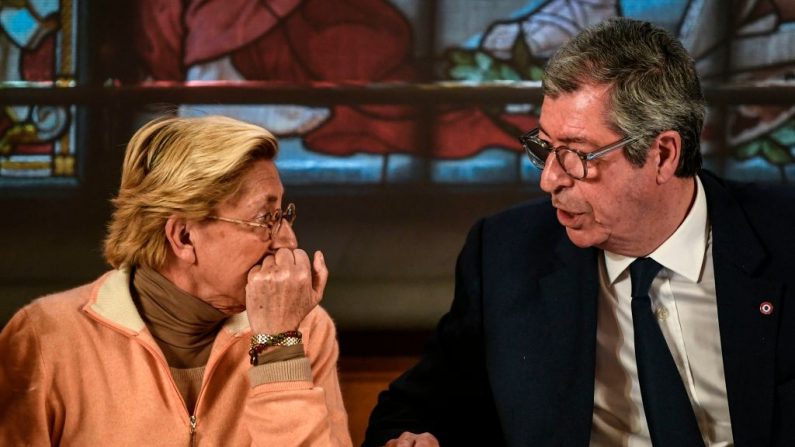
512,362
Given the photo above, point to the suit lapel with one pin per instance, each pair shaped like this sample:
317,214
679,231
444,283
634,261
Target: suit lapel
747,333
541,338
569,296
571,293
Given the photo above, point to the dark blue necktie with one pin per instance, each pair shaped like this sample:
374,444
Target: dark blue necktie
669,413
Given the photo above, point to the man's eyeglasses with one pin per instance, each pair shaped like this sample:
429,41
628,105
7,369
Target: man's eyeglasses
573,162
271,221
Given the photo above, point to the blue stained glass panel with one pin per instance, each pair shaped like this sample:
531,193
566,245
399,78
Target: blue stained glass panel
38,41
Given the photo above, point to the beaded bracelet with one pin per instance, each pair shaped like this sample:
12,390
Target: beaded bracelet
260,342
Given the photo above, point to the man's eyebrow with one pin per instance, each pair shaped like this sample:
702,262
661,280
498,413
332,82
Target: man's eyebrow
569,140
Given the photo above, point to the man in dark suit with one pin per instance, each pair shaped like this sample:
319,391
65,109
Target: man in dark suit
647,303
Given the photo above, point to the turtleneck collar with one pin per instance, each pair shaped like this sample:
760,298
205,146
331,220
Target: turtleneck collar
182,325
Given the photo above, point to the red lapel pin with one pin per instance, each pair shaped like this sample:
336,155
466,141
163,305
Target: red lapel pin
766,308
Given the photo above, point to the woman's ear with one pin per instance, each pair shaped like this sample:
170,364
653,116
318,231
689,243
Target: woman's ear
178,236
669,145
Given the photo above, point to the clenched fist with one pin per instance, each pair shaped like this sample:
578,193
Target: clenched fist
284,289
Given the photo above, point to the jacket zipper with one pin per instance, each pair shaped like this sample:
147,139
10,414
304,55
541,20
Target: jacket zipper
192,429
207,373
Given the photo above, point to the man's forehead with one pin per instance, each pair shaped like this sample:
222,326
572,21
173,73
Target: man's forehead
567,137
586,96
574,117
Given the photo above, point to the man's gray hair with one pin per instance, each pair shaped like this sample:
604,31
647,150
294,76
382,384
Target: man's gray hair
654,84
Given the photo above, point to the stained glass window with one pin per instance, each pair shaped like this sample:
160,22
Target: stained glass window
38,47
450,42
761,138
444,44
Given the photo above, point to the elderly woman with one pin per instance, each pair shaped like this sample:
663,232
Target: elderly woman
208,331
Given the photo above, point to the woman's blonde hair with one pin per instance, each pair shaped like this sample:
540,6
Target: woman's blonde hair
178,166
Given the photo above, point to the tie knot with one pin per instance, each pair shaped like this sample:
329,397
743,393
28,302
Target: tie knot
642,272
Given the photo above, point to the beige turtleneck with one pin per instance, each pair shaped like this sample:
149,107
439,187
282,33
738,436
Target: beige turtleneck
183,326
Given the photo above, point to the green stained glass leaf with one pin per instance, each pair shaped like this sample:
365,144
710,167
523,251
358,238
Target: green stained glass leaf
494,73
466,73
462,57
535,73
776,154
509,74
785,134
483,60
748,150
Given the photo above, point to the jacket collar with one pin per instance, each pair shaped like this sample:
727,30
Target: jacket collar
112,303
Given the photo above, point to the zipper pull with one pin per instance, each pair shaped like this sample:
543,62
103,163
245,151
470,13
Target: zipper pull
192,430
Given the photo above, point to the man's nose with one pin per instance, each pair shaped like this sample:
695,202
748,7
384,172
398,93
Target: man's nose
553,177
284,237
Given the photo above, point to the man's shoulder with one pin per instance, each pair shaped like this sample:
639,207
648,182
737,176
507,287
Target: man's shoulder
529,224
529,219
534,212
757,216
761,197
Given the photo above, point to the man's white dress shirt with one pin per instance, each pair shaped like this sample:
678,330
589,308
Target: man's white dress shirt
683,298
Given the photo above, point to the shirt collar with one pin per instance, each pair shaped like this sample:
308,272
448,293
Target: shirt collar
683,252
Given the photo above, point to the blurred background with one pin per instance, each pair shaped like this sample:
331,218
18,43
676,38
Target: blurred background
397,119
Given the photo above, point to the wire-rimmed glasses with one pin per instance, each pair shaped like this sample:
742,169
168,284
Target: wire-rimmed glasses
270,221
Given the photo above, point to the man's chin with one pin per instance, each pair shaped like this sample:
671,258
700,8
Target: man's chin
584,238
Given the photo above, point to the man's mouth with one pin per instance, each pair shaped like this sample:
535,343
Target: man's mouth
566,213
566,217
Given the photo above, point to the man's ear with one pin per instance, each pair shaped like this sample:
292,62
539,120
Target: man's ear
669,145
178,236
